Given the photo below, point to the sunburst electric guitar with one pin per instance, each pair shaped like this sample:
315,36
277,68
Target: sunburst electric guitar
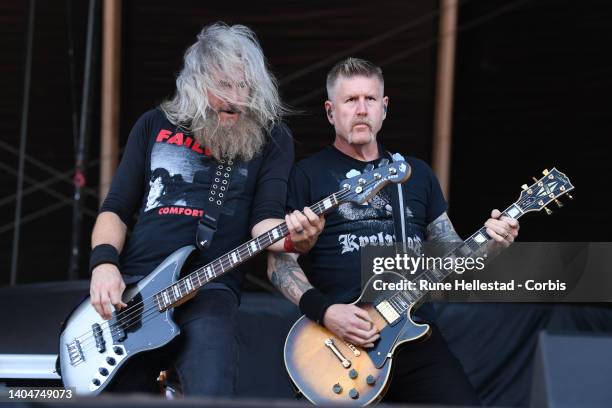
327,370
93,350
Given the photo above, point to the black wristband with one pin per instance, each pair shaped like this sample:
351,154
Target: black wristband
103,253
313,304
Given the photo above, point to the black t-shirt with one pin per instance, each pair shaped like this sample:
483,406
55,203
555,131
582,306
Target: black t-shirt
335,259
166,174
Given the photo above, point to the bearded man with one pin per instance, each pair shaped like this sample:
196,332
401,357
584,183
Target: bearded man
219,136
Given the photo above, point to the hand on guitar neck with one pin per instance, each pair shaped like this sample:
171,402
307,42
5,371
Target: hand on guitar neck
304,229
351,324
503,230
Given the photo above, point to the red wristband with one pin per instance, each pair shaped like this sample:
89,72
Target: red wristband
288,244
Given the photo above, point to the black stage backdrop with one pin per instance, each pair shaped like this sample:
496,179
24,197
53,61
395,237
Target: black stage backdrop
531,91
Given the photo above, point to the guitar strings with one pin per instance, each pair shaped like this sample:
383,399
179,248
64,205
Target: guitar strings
124,318
222,262
146,313
137,311
150,313
146,316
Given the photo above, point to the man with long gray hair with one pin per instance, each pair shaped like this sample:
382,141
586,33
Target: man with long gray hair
219,136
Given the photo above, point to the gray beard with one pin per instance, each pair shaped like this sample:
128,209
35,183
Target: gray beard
243,140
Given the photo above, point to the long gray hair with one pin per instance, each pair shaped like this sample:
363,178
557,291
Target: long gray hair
234,53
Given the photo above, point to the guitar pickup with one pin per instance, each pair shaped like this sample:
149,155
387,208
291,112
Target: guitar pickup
118,334
388,312
97,333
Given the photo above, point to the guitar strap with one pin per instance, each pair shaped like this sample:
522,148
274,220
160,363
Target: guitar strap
397,204
219,186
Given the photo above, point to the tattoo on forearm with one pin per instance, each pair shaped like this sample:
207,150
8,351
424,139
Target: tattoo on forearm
441,230
288,277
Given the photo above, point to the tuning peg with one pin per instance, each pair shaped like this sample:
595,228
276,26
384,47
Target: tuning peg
535,179
571,197
383,162
548,211
525,187
545,172
559,203
368,168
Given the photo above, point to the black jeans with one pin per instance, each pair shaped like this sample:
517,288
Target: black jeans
205,355
427,372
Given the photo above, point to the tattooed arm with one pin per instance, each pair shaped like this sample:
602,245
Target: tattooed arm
441,230
348,322
287,276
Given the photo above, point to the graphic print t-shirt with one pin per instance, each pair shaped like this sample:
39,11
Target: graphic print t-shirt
166,175
335,259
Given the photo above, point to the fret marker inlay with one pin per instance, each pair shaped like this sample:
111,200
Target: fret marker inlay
479,238
513,211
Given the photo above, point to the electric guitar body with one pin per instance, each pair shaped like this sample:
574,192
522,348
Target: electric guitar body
90,362
329,371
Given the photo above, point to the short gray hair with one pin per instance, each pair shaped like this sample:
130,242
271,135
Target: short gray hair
234,51
352,67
